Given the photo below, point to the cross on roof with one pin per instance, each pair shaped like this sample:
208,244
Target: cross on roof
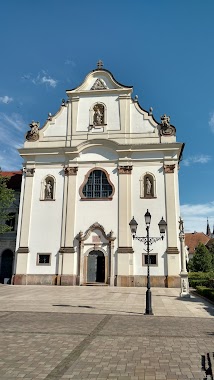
99,64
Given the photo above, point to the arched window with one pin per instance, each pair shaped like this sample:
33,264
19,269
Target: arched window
48,188
98,116
147,186
97,185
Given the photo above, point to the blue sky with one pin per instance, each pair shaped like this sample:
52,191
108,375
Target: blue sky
163,48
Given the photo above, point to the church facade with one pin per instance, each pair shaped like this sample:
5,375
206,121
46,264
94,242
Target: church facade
97,162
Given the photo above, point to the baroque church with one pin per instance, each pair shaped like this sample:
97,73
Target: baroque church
99,161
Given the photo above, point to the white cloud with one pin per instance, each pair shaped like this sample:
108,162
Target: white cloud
41,78
12,131
50,81
70,62
195,216
198,159
5,99
211,122
10,160
14,120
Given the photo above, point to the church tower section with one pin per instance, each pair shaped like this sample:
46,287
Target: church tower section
99,161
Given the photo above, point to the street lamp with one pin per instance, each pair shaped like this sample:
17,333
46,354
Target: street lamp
148,240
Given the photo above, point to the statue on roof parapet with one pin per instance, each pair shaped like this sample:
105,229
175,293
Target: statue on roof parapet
33,134
166,129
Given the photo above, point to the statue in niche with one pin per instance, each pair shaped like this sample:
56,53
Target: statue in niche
98,118
148,187
33,134
48,190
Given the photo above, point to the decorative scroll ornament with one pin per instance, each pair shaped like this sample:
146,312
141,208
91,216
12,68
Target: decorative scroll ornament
169,168
99,84
71,170
125,169
166,128
29,172
33,134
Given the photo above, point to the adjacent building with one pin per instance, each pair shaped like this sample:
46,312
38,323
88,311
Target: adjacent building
8,239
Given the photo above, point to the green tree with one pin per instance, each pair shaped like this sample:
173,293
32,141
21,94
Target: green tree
201,261
211,250
6,200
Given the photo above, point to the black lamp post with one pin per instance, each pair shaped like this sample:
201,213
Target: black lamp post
147,240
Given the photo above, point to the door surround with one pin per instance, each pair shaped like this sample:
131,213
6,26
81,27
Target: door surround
105,245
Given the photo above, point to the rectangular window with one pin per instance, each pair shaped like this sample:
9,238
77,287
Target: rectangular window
43,259
153,259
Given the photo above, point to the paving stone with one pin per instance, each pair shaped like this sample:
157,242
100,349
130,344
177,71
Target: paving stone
102,334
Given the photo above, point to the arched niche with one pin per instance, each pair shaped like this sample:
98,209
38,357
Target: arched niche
148,186
98,115
48,188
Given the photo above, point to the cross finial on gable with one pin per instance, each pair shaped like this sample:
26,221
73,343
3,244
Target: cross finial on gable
99,64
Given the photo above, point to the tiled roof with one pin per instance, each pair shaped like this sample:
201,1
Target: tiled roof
15,179
193,239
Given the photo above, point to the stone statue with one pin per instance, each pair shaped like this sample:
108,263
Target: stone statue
181,225
48,190
98,115
33,134
166,129
165,121
148,186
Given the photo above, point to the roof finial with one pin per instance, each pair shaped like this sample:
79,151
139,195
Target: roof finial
208,232
100,64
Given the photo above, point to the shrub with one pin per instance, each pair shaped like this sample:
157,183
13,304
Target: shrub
206,292
201,279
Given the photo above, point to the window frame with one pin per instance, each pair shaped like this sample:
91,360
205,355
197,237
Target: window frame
84,198
144,260
43,254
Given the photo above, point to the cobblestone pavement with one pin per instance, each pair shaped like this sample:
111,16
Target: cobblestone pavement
83,343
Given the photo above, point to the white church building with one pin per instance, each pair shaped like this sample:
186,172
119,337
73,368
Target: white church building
99,161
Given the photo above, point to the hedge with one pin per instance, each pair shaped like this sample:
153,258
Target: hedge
201,279
206,292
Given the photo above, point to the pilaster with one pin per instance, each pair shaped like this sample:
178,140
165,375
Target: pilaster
173,263
74,113
23,249
125,250
66,258
124,102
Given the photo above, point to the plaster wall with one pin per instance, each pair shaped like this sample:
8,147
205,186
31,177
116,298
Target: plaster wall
156,207
138,122
45,223
57,126
112,105
103,212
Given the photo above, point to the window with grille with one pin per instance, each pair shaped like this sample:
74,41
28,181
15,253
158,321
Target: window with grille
44,259
152,259
97,185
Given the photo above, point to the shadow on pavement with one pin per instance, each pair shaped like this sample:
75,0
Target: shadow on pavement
206,365
207,306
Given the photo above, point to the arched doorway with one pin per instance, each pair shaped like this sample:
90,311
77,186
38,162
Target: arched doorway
6,266
96,267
